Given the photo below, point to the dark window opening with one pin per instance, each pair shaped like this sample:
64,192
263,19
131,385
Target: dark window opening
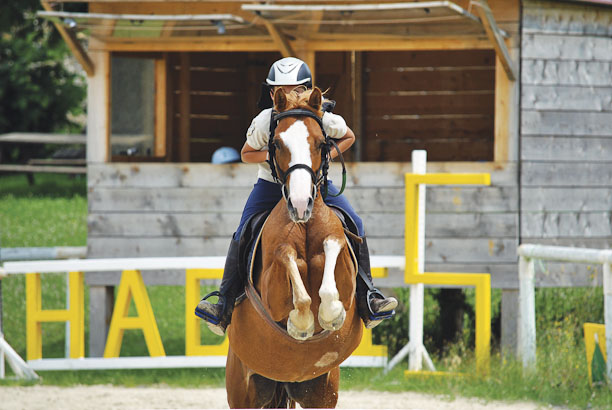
439,101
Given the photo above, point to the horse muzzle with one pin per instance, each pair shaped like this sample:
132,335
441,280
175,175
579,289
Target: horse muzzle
300,208
301,211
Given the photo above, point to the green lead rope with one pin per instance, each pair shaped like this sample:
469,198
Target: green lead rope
332,142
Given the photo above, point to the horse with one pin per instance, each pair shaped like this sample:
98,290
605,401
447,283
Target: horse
279,355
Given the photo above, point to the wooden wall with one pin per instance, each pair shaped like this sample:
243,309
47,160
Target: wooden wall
566,127
440,101
140,210
223,91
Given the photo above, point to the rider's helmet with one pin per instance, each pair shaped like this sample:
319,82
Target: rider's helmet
289,71
286,71
225,155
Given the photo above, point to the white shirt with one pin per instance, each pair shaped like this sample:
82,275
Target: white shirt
259,132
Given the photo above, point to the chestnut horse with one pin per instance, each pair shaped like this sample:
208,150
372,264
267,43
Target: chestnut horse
279,354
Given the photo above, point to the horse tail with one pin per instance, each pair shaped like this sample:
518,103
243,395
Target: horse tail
281,399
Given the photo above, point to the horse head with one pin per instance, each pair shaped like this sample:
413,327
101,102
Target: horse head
298,149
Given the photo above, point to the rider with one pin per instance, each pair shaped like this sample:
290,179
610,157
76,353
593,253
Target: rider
292,75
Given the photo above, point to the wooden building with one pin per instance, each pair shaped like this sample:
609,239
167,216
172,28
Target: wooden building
519,89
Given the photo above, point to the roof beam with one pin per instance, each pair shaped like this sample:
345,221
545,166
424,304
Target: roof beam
279,39
74,45
488,21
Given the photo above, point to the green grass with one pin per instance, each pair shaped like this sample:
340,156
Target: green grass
53,212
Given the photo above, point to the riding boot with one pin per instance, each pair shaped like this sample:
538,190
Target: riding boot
372,305
219,315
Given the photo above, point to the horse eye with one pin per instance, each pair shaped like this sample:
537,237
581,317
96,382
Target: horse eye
277,144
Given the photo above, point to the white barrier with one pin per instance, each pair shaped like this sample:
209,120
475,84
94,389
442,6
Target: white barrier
367,355
526,323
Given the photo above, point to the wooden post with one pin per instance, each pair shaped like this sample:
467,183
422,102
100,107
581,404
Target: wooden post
357,91
509,321
160,106
98,109
488,22
308,56
526,330
73,44
185,108
101,302
279,39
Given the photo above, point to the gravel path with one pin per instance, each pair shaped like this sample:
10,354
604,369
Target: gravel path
104,397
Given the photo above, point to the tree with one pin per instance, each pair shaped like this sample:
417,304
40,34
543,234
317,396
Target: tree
37,90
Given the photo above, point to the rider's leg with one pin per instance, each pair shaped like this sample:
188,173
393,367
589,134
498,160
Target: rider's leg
373,306
264,196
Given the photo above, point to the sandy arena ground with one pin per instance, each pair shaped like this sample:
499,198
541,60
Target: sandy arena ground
139,398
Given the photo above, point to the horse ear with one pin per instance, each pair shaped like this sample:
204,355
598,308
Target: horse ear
315,98
280,100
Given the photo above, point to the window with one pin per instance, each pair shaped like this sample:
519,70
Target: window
440,101
138,113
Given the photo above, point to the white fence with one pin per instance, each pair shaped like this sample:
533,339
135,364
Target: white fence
22,369
526,324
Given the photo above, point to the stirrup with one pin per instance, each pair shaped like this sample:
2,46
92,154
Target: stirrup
377,316
202,314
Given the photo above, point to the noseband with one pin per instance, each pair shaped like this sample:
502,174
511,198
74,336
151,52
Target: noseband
320,176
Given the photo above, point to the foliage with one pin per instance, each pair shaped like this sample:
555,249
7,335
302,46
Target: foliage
38,93
393,333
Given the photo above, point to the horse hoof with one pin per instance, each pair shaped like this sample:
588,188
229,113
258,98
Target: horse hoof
334,324
299,334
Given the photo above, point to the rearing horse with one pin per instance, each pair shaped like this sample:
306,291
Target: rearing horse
300,319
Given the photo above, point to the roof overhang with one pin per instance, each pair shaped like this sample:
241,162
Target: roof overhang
287,24
104,26
422,19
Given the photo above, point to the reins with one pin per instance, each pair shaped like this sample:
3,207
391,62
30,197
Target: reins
318,178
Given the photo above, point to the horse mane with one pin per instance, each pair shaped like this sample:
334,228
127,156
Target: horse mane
295,100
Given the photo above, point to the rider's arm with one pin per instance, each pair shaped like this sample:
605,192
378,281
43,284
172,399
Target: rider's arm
252,155
255,149
336,128
345,142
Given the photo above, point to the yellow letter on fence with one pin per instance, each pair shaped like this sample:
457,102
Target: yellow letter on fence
35,315
132,286
193,347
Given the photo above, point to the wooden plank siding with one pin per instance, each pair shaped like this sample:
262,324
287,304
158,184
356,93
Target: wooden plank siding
192,209
441,101
566,129
221,101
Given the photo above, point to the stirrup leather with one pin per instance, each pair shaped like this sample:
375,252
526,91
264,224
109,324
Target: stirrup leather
202,314
377,315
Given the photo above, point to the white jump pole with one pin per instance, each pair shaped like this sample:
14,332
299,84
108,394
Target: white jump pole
417,291
415,348
418,353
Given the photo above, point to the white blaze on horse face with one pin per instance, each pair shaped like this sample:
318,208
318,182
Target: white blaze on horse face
331,311
295,139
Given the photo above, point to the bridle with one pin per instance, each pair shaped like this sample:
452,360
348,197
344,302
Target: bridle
319,177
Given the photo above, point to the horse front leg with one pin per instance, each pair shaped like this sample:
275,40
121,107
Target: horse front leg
300,324
331,310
